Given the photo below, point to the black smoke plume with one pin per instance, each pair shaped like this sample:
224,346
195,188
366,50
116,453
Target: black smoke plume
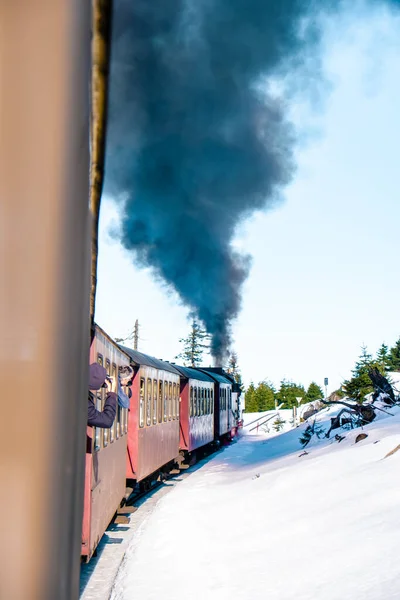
194,145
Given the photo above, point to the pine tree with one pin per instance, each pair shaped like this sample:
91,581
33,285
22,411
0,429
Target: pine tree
288,394
233,368
360,384
394,357
265,396
250,399
194,346
383,358
278,423
314,393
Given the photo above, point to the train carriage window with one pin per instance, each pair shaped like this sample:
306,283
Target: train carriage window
98,401
170,401
202,401
113,430
141,403
174,400
154,401
125,420
212,400
165,400
196,405
106,432
121,419
208,401
230,399
148,403
160,401
178,399
191,401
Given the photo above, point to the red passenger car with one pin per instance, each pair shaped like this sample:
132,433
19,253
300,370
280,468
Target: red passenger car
105,472
153,431
197,409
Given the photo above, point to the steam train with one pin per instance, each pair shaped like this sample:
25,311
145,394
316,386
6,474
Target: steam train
174,411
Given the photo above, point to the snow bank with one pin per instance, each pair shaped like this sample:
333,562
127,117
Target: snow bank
262,520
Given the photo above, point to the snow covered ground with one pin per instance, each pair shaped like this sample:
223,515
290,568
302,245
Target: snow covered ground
260,521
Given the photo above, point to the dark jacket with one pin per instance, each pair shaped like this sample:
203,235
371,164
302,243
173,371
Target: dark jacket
103,418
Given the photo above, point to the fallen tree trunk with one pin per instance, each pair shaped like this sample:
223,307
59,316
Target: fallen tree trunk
381,386
360,414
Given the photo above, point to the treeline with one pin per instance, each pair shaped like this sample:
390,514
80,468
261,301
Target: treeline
266,397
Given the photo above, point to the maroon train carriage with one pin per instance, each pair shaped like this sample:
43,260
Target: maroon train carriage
153,432
224,419
196,409
105,472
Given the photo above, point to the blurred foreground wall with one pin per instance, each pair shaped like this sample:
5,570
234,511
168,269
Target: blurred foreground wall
44,277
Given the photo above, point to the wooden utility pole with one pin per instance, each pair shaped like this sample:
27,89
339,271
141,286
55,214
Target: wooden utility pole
136,335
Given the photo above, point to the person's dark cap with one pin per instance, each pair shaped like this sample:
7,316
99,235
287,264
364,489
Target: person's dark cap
97,376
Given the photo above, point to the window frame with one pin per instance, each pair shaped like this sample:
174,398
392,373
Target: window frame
113,429
142,396
165,416
149,389
97,437
155,399
169,400
160,400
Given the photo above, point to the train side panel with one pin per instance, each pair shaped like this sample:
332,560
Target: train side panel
153,439
105,477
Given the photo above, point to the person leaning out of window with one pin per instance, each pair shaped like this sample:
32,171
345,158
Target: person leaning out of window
98,379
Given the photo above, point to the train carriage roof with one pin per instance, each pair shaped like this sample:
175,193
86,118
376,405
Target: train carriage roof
190,373
138,358
216,376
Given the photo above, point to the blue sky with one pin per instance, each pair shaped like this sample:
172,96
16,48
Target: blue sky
325,271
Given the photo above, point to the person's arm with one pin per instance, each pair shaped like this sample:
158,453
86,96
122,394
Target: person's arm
103,418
